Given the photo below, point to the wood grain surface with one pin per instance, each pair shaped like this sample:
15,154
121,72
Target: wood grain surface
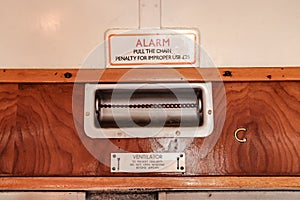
42,133
146,184
228,74
8,117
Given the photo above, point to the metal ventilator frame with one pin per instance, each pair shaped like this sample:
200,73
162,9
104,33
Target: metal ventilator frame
141,110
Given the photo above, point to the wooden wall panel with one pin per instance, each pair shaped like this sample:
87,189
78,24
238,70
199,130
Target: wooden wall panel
45,142
39,137
8,108
271,113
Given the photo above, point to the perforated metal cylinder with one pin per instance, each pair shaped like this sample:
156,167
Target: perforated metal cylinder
149,107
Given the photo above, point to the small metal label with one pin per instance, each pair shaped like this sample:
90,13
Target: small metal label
147,162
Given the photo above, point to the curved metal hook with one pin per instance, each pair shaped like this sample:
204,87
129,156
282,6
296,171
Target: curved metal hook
236,132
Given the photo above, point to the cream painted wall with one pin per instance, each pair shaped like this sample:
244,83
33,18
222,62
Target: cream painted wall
242,32
58,33
61,33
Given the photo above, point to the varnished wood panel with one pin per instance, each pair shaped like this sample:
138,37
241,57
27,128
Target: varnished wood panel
42,139
270,112
228,74
8,117
148,183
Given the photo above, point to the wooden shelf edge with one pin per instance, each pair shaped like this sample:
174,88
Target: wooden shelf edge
148,183
154,74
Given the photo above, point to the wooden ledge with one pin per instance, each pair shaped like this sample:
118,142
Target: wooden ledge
148,183
149,75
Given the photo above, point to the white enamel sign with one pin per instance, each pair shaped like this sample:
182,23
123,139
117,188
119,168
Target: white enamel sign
147,162
161,48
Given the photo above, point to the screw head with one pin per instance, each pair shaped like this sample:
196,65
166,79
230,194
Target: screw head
227,73
68,75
